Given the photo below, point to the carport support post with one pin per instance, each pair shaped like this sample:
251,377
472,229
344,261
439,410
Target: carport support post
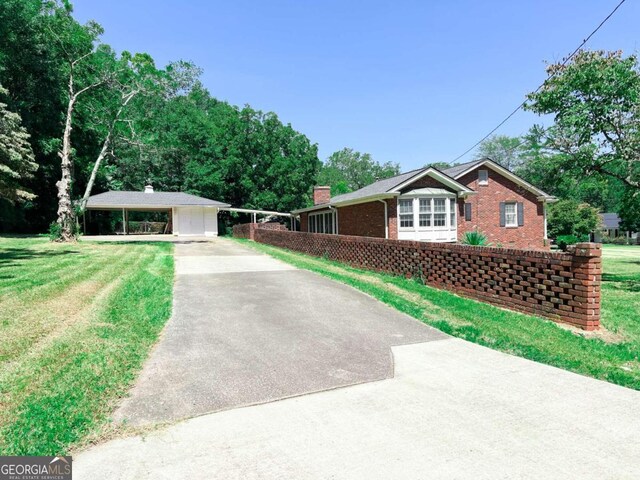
124,221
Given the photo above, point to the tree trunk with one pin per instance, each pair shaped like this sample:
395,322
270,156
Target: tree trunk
66,218
94,172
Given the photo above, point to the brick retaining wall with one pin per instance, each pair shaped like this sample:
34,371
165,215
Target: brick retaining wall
246,230
562,286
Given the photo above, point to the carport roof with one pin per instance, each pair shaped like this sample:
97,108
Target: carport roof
132,200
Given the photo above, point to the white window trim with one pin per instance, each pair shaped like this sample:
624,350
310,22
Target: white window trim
416,213
334,221
486,181
515,215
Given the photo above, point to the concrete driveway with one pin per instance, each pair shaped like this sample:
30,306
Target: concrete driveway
248,329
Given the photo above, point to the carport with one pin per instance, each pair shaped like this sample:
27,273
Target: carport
188,215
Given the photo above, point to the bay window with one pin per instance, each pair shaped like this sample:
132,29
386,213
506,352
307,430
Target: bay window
428,215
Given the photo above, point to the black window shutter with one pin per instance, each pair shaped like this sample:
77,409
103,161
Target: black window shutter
520,214
503,220
467,212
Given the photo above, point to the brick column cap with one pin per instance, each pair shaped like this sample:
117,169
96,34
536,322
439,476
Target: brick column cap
588,249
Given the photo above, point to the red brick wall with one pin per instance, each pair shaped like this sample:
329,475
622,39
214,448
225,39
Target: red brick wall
363,220
247,230
485,212
561,286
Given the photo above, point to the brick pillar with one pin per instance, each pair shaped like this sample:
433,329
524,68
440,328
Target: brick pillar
586,266
252,230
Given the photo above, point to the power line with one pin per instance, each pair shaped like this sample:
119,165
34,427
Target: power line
564,62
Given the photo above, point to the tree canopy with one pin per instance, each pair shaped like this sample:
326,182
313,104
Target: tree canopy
118,121
347,170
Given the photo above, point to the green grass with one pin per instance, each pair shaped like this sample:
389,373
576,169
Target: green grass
76,323
611,354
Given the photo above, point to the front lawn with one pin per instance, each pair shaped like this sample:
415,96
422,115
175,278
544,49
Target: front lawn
611,354
76,323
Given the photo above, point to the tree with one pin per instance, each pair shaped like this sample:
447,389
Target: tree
86,67
630,211
438,165
16,157
568,217
502,149
348,170
595,100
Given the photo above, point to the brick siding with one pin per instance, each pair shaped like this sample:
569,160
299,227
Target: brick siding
561,286
485,212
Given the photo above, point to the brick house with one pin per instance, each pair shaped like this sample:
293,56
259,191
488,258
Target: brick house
434,205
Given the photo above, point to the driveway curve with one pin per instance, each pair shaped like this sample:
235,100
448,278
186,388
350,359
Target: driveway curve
248,329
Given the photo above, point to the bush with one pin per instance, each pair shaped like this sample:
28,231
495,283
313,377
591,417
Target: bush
563,241
475,238
568,217
55,231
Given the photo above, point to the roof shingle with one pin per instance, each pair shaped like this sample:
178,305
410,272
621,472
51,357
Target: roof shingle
154,199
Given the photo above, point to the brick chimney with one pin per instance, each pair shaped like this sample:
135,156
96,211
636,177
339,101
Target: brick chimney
321,194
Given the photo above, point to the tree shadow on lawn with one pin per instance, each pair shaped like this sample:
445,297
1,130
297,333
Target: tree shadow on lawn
9,256
630,283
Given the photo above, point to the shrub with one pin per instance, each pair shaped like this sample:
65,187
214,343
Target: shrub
55,231
475,238
564,241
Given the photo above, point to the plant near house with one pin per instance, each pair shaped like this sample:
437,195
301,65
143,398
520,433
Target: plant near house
568,217
475,238
563,241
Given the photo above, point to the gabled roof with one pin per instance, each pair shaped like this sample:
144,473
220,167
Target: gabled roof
461,167
113,199
458,171
390,187
610,220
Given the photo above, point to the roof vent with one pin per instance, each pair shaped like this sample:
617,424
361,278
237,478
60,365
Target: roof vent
148,189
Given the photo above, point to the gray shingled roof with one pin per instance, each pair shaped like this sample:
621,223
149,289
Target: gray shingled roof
377,188
610,220
155,199
458,169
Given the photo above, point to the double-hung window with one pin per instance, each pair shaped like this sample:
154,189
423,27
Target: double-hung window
511,214
452,212
406,213
425,212
439,212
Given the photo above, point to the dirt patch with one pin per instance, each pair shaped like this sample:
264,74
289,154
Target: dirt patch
602,333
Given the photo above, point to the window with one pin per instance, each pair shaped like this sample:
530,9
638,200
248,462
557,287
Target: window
452,212
322,222
440,212
425,212
406,213
483,177
510,214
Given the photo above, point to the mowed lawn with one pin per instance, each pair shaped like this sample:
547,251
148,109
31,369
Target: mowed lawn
612,354
76,323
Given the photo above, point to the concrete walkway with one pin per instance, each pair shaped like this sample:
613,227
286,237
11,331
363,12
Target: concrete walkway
248,329
453,410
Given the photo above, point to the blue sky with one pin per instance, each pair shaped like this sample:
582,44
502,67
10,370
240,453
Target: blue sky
411,82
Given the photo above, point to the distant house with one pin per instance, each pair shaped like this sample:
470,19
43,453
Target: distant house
611,228
434,205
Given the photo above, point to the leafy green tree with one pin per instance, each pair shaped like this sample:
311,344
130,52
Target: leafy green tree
630,211
438,165
594,99
348,170
569,217
16,157
502,149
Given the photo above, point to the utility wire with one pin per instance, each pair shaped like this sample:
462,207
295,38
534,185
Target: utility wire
519,107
